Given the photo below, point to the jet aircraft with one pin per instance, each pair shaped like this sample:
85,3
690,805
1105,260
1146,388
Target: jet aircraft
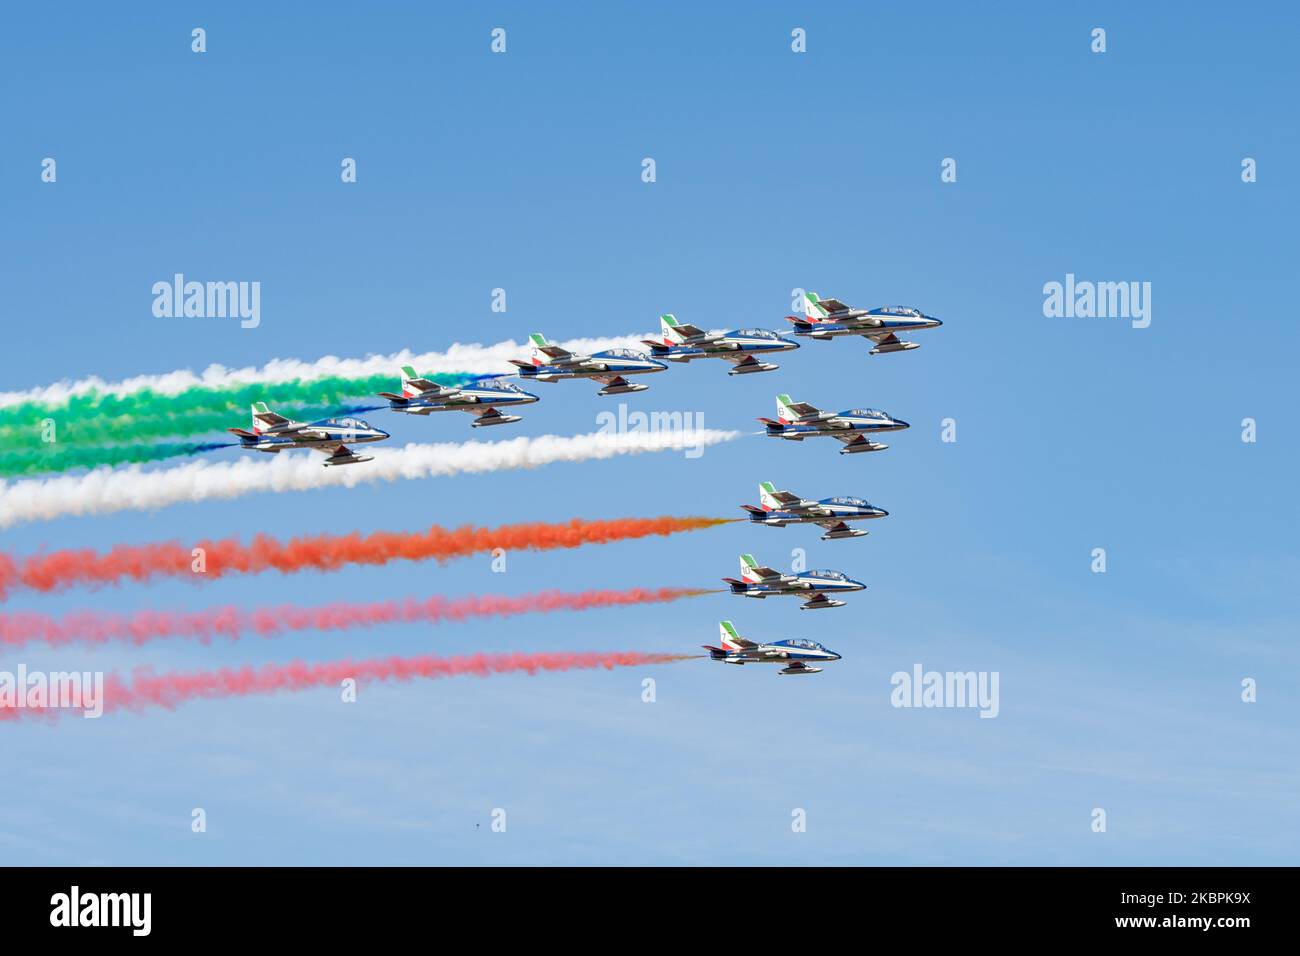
741,347
551,363
796,654
796,421
780,508
825,319
274,433
757,581
483,398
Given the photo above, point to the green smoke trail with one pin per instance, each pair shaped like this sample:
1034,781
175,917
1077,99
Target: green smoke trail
96,431
146,414
55,457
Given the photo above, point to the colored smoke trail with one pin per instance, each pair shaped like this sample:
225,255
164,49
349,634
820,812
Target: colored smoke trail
57,570
233,622
130,488
169,690
88,428
57,457
472,359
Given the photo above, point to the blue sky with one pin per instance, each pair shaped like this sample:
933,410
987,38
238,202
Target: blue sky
775,171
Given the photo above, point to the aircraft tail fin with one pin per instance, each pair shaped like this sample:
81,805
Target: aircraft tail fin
539,355
668,325
813,308
749,568
546,353
408,373
259,408
783,411
728,636
767,496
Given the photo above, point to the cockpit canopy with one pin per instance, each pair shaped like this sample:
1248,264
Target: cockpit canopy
756,333
868,413
831,575
348,423
625,354
844,500
500,384
804,643
906,310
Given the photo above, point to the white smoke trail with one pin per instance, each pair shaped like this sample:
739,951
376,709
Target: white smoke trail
473,358
104,490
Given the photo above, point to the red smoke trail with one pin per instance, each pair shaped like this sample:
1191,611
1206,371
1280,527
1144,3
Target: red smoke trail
146,689
325,552
233,621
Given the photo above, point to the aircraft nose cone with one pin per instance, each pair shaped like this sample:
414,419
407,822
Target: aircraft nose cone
901,424
882,512
935,323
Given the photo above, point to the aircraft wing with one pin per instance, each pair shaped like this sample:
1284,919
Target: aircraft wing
423,385
740,359
343,455
804,410
272,420
610,379
788,501
882,338
766,574
557,354
489,417
833,524
691,331
833,306
851,438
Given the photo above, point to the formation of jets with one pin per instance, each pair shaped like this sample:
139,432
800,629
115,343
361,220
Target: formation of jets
823,320
490,398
